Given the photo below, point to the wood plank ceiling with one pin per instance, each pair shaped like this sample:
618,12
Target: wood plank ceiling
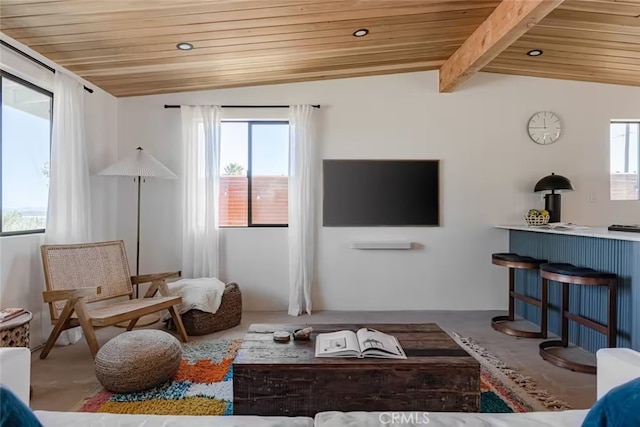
128,47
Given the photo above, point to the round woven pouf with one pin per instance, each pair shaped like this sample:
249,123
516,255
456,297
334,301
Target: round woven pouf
137,360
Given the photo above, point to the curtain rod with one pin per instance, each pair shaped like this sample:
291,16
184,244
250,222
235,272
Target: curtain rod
31,58
244,106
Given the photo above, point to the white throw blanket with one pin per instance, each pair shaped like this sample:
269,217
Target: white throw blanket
204,294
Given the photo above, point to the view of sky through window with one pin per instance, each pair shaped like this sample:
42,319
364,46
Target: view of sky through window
270,148
26,141
234,149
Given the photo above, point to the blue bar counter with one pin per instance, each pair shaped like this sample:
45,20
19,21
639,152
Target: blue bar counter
597,248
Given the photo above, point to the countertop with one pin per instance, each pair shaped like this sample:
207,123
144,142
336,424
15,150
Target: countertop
598,232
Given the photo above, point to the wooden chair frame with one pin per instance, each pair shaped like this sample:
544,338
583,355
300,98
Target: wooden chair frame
78,298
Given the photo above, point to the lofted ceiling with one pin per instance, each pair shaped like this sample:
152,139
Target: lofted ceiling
128,47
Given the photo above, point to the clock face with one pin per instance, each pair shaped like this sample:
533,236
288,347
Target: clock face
544,127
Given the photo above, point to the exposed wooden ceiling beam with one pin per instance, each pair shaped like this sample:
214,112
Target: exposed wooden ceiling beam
510,20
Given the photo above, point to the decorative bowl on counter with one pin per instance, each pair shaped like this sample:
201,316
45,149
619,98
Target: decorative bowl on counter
536,219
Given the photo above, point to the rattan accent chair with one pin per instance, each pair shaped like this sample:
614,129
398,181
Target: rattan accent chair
78,275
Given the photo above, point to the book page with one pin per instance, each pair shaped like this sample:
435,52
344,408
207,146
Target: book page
567,226
372,342
337,344
562,226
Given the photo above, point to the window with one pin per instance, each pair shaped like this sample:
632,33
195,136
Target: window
625,160
254,174
25,146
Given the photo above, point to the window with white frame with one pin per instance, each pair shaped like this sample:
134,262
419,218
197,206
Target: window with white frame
625,160
254,174
25,146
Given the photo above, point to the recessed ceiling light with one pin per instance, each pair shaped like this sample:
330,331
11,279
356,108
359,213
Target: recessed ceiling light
361,32
534,52
184,46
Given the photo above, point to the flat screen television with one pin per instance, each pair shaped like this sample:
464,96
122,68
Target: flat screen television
381,193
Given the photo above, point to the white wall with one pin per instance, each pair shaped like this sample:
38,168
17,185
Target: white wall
488,169
21,277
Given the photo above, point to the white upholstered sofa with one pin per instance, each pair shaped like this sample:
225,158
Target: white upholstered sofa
615,366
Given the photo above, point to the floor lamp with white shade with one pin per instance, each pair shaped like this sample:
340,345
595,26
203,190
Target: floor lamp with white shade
139,165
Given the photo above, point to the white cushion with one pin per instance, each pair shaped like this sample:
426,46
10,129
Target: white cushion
85,419
449,419
616,366
15,371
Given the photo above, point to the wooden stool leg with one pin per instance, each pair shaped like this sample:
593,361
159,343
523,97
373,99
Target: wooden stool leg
565,319
512,285
544,308
610,329
612,324
500,323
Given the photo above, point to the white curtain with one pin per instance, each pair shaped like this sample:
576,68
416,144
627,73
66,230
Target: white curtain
69,212
302,159
200,190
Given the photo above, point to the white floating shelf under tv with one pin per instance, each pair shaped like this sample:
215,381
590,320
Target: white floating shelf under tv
385,244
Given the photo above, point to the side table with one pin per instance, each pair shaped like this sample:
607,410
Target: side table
15,332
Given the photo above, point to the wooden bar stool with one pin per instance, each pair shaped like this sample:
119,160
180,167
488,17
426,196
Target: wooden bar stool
570,274
514,261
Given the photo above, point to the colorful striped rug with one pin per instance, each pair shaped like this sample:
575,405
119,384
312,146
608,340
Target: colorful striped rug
203,386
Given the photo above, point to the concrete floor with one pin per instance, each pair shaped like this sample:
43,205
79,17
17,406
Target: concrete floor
66,376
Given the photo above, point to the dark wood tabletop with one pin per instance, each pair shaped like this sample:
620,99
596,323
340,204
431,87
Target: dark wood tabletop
423,343
271,378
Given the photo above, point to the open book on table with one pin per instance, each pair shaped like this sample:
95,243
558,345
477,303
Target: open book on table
563,226
363,343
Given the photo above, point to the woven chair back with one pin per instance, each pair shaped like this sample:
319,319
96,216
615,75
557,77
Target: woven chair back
101,264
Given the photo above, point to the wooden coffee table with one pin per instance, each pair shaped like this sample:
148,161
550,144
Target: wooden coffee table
271,378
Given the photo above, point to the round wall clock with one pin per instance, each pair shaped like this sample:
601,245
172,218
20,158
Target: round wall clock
544,127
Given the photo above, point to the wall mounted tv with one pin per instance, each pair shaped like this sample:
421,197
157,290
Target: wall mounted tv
380,193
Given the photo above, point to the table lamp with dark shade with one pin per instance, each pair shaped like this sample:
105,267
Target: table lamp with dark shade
555,184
